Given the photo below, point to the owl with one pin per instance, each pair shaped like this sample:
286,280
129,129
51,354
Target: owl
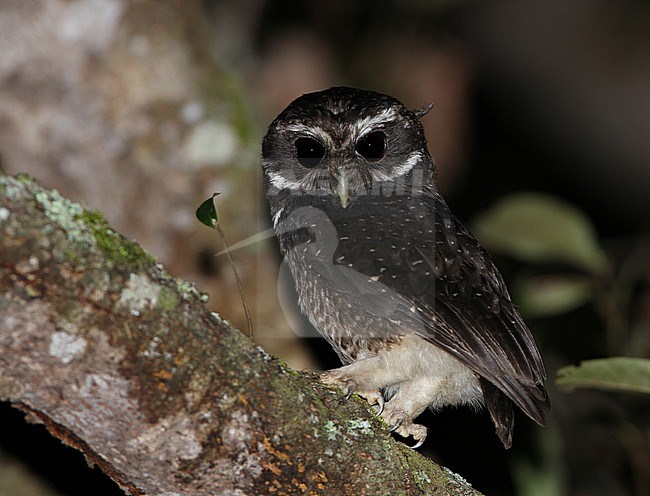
409,300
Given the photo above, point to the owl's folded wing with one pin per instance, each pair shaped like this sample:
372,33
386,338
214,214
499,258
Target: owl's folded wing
470,314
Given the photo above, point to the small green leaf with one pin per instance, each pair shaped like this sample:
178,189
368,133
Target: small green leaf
613,374
539,228
546,295
207,212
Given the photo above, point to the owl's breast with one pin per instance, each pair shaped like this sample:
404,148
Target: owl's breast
339,265
355,313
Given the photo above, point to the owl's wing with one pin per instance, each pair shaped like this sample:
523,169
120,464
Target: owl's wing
437,265
473,318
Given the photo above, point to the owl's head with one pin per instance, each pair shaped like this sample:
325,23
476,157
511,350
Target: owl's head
344,142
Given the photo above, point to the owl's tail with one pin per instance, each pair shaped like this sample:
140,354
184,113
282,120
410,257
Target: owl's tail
501,410
533,400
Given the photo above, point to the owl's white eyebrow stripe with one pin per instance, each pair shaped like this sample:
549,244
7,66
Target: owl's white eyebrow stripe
315,131
386,115
300,128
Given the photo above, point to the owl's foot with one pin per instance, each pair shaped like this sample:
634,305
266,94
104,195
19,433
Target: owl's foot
350,386
334,378
402,424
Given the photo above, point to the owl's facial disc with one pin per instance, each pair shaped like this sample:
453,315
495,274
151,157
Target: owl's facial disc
333,161
344,143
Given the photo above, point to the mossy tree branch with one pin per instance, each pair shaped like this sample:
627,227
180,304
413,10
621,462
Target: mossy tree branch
125,363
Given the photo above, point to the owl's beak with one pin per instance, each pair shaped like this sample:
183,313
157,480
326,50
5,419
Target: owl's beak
342,180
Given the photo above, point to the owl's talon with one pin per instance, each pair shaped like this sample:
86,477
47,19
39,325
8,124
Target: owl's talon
397,425
380,405
419,443
375,399
402,423
349,390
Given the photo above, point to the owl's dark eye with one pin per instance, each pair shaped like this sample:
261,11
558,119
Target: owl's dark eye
309,152
372,146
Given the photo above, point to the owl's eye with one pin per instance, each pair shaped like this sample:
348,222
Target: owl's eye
372,146
309,152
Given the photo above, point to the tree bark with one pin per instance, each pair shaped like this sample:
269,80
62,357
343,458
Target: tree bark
125,363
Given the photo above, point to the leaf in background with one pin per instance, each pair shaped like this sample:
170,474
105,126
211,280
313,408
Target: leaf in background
207,212
535,227
543,296
613,374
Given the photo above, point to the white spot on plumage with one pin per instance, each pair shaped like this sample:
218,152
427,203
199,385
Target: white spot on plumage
276,217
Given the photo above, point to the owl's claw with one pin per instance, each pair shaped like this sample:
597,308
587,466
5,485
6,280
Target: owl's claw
397,425
380,404
349,390
403,425
374,399
349,386
419,443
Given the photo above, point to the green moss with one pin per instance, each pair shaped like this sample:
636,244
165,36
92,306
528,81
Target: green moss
71,256
422,474
116,247
167,300
283,366
24,178
77,222
428,475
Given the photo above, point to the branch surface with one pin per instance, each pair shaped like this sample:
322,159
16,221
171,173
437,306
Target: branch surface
125,363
